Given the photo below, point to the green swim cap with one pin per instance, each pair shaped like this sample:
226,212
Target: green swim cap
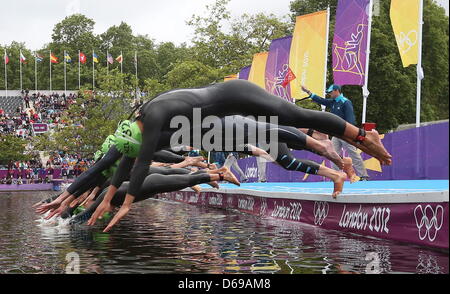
128,138
110,141
98,154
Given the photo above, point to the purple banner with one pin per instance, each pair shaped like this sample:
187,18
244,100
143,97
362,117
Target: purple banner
350,42
40,128
418,223
244,73
416,156
277,68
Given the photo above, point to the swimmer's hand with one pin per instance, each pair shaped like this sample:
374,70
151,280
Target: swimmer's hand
101,209
123,211
46,207
104,206
57,212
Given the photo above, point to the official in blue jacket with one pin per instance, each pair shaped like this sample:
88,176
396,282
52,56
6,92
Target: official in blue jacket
342,107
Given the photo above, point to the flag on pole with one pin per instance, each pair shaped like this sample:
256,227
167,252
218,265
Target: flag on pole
22,58
257,72
351,42
95,57
405,23
308,55
6,59
67,57
244,73
38,57
135,60
119,59
290,76
277,68
110,58
53,58
82,58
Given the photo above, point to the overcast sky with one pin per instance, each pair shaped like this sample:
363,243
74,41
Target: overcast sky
32,21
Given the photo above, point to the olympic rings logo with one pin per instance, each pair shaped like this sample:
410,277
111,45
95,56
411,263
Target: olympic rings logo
429,221
321,209
407,41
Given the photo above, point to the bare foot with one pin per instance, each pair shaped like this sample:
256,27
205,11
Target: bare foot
373,146
348,169
229,176
214,184
338,181
329,152
196,189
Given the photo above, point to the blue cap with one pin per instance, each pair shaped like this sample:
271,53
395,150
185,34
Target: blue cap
334,87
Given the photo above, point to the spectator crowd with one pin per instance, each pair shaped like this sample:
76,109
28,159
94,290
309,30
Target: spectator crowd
45,109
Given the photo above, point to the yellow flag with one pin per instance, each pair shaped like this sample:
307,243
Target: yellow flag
257,73
405,22
308,56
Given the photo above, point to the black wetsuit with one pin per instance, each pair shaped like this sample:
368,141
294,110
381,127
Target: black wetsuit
233,97
93,176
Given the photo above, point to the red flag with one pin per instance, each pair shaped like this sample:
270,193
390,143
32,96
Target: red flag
290,76
53,58
6,58
82,58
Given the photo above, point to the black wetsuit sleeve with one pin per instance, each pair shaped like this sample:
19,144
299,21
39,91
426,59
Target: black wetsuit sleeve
166,156
107,161
123,171
153,124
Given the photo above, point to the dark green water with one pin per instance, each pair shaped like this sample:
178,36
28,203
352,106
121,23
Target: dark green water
163,237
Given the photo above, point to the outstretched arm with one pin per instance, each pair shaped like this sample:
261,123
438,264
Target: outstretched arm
150,138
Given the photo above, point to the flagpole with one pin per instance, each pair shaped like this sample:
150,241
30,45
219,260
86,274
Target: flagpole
93,71
35,72
79,70
65,85
121,64
50,70
420,73
136,67
366,92
6,75
20,66
107,62
326,57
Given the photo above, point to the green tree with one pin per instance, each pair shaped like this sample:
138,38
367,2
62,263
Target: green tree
230,50
13,148
190,74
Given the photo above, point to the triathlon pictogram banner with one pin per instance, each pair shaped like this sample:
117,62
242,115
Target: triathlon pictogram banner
350,42
277,68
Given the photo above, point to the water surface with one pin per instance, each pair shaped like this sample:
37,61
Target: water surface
166,237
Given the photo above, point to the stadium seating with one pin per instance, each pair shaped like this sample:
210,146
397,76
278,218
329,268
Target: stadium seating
10,104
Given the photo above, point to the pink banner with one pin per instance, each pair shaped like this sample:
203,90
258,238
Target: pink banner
418,223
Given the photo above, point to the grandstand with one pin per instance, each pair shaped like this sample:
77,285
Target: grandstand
9,104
